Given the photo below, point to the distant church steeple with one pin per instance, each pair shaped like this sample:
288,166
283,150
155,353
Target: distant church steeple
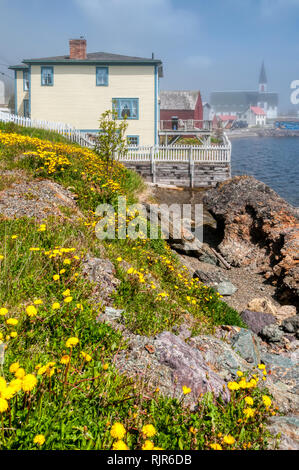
263,79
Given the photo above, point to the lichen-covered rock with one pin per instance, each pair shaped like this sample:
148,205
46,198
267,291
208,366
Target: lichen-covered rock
246,344
288,429
218,354
272,334
256,321
101,273
188,367
291,325
259,228
217,281
284,312
38,199
262,305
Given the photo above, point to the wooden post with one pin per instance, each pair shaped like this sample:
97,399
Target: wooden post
191,167
153,164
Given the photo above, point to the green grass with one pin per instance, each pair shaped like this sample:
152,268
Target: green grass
33,132
74,405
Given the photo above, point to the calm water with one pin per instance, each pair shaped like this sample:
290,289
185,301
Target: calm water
273,160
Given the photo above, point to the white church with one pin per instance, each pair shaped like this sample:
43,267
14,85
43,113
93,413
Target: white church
237,103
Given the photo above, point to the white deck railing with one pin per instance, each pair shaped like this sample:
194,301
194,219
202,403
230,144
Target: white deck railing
176,153
159,153
185,125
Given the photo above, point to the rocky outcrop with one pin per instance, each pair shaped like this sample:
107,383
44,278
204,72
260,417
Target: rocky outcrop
256,321
206,363
178,232
100,272
259,228
37,199
216,280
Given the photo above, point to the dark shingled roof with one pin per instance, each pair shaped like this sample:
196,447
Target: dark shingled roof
183,100
240,101
93,58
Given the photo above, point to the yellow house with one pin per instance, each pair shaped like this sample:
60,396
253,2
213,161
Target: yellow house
77,88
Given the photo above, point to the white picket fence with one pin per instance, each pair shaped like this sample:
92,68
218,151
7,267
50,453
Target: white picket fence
64,129
178,153
160,153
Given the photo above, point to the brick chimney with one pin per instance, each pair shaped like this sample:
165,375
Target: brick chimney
78,49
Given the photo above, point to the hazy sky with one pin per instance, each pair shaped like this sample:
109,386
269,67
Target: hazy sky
204,44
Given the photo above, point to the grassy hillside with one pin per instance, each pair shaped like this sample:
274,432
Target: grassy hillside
59,388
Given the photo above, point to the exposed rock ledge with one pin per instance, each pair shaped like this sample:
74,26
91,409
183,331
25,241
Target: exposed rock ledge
259,228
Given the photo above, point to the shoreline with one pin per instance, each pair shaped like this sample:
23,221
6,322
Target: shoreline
277,133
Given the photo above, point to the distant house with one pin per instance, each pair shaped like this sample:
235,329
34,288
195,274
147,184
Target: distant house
3,98
76,88
224,121
177,107
255,116
238,102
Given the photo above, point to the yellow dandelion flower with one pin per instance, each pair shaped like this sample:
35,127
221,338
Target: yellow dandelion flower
73,341
267,401
12,321
65,359
216,446
31,311
249,401
230,440
118,431
29,382
3,405
120,445
20,373
249,412
14,367
3,311
55,306
39,439
148,445
67,300
149,430
86,356
233,386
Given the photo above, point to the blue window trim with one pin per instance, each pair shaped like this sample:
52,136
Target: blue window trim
16,94
29,91
135,137
156,103
41,75
107,69
117,108
24,79
26,101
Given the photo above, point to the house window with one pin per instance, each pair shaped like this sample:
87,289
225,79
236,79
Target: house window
133,139
102,76
26,80
26,108
47,76
126,107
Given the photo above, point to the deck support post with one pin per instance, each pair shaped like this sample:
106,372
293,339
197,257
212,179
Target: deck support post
153,164
191,167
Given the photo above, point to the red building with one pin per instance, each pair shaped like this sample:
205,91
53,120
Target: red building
180,107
